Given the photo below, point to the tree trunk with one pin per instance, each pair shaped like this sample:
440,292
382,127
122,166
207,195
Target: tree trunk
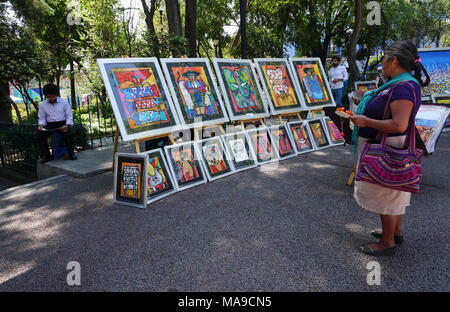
243,27
5,102
72,86
353,68
190,25
174,20
149,15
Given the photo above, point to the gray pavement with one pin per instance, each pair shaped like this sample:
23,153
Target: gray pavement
296,228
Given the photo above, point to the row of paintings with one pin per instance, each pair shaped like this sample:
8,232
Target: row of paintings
147,103
144,178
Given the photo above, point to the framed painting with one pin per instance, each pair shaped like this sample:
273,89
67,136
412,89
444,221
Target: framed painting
278,83
240,151
159,178
185,165
130,179
334,135
194,90
318,133
437,64
262,143
283,141
443,99
311,79
301,135
139,97
430,120
215,158
240,88
365,86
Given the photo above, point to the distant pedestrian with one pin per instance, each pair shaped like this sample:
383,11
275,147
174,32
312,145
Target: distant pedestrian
337,75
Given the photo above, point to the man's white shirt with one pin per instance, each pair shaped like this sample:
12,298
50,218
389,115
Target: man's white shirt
338,72
58,111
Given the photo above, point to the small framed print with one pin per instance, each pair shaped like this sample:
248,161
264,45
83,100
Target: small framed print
319,134
130,180
215,158
334,134
365,86
301,136
262,143
283,141
240,150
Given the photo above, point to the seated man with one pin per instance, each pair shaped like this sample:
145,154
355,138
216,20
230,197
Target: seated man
55,114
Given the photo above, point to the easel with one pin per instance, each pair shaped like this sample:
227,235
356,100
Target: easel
352,176
316,112
289,116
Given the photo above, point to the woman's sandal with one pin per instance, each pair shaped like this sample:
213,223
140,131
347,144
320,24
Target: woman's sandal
380,252
397,239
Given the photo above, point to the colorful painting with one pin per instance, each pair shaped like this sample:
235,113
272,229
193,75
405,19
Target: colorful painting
318,133
129,179
240,88
437,65
139,97
278,85
301,137
282,140
312,82
365,86
335,135
262,145
240,151
441,99
184,164
430,120
215,159
159,179
196,94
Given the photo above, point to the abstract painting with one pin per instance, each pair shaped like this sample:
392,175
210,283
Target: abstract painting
240,151
262,144
196,96
282,140
215,158
335,135
139,97
312,81
318,133
365,86
159,178
278,82
129,179
437,64
301,136
240,88
443,99
185,165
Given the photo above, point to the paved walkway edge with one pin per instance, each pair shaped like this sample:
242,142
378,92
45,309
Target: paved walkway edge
34,185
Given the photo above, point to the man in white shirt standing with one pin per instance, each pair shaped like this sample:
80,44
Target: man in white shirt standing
55,115
337,75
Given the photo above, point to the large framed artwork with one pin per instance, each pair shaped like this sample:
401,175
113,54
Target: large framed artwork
159,178
302,137
240,88
278,82
365,86
129,179
215,158
443,99
194,90
437,63
283,141
334,135
311,79
185,165
139,97
319,134
262,143
430,120
240,150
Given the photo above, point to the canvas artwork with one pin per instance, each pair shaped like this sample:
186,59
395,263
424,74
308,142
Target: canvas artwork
443,99
366,85
318,133
139,97
129,179
282,140
278,83
312,81
437,64
185,165
430,120
240,150
301,136
159,178
263,146
333,131
194,90
215,158
240,88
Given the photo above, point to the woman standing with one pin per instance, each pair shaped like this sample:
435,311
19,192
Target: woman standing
401,64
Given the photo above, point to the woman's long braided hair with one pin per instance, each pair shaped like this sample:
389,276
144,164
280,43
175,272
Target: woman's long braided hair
408,58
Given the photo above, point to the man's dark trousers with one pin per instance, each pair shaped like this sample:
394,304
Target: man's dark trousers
43,135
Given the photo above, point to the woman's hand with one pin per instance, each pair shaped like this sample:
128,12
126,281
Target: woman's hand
360,120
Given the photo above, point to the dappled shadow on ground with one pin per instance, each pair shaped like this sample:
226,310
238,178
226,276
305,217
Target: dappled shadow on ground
293,227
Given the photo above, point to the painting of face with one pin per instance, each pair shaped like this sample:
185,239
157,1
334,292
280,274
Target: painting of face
335,134
282,141
215,158
301,137
318,133
262,144
240,150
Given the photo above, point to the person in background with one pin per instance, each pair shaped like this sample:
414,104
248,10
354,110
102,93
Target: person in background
55,115
337,75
